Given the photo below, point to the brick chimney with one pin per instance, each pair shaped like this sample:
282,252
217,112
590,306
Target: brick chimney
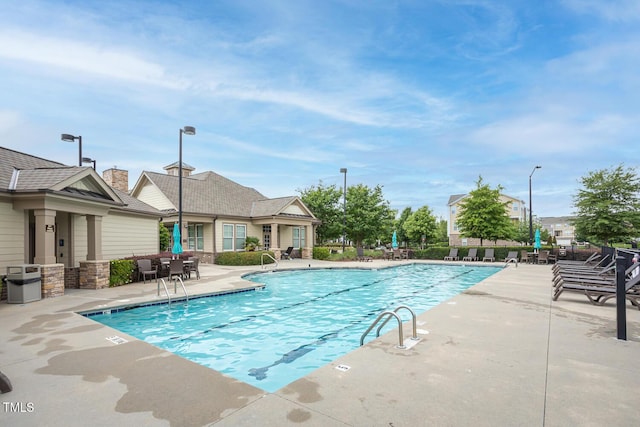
117,179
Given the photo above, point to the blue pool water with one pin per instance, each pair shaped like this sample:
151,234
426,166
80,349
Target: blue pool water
301,320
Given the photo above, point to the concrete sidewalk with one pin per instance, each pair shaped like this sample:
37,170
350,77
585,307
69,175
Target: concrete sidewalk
500,354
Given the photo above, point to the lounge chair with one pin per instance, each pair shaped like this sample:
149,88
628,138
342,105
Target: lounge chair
608,278
472,255
361,256
453,255
600,273
591,269
599,294
512,256
489,255
593,258
145,270
287,254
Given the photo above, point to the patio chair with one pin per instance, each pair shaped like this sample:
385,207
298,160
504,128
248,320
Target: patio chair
164,266
145,270
193,268
489,255
524,256
397,254
546,257
472,255
453,255
287,254
361,256
176,269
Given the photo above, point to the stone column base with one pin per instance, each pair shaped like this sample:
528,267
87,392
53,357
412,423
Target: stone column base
94,274
306,253
52,280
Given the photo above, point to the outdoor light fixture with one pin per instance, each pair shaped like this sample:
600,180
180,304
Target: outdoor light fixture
344,209
530,207
187,130
70,138
89,160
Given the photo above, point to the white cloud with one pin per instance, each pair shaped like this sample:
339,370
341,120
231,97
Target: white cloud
611,10
78,57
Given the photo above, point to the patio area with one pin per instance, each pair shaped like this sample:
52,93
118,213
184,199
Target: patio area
501,353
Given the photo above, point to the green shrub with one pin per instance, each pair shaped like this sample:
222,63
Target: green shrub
244,258
251,243
120,272
321,253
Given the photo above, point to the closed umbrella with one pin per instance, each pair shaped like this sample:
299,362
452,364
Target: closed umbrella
536,240
177,246
394,240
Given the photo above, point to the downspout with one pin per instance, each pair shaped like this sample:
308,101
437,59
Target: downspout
215,251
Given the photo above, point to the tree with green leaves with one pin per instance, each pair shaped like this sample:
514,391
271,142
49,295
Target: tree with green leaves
326,204
608,206
483,215
398,226
368,214
521,233
165,237
441,231
421,223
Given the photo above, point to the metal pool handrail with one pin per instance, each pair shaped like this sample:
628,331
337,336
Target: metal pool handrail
387,315
262,260
175,288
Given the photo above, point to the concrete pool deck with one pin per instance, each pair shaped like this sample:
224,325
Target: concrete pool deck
500,354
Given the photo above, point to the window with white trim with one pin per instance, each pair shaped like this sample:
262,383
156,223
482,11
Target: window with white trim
234,237
241,236
227,237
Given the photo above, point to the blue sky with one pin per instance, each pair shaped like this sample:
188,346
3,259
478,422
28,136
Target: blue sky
420,97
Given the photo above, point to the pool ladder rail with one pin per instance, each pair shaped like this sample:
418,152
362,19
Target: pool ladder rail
262,265
387,315
175,288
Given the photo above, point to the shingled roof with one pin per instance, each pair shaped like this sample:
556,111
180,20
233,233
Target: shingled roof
11,160
207,193
212,194
20,172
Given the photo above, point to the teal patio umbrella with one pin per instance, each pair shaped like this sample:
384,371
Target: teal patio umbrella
536,240
177,246
394,240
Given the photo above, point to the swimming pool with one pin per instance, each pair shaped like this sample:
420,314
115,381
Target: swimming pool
300,320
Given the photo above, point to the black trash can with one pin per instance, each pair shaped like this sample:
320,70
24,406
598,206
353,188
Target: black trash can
23,284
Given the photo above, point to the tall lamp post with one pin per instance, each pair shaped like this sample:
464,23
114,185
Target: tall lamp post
70,138
89,160
187,130
344,209
530,207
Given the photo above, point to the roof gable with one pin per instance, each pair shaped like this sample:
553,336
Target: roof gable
211,194
290,206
